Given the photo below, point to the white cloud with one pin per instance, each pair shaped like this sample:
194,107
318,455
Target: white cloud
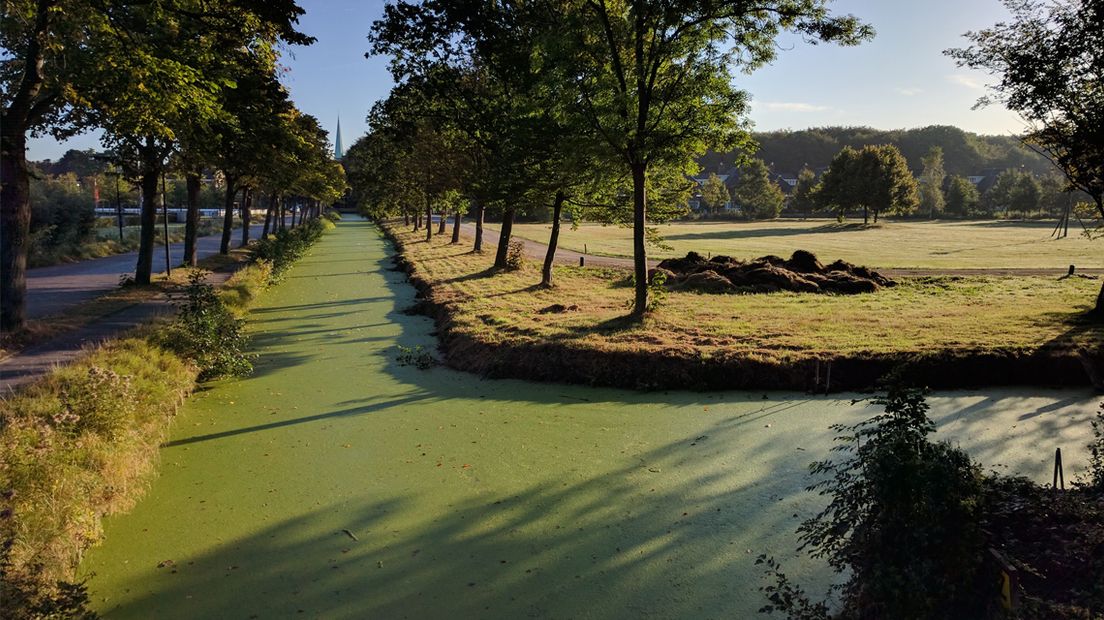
908,92
966,80
793,106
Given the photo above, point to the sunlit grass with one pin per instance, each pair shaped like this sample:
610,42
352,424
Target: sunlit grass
899,244
921,315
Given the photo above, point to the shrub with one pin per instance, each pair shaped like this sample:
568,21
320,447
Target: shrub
288,245
417,357
99,401
243,287
903,520
207,332
333,216
1096,453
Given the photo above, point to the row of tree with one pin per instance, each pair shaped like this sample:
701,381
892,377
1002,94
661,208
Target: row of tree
964,153
184,85
876,179
610,104
602,105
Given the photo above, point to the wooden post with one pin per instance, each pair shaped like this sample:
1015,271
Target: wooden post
1008,583
1059,475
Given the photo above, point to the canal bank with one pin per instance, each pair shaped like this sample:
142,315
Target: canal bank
336,483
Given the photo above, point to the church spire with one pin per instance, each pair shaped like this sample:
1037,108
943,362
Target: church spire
339,152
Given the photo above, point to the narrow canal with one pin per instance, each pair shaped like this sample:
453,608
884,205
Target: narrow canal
335,483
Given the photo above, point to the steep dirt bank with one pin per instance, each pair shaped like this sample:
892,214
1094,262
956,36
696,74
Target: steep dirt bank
551,360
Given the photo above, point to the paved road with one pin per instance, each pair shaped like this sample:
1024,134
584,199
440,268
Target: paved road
537,250
54,289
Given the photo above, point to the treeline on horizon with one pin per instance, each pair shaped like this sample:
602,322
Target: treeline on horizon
964,153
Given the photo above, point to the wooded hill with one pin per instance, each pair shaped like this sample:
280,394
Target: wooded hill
964,153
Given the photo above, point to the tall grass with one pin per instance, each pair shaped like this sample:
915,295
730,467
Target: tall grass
77,445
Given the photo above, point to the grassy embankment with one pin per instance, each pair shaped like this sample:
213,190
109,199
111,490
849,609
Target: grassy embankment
893,244
960,330
83,443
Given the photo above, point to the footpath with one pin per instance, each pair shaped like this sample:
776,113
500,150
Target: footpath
53,291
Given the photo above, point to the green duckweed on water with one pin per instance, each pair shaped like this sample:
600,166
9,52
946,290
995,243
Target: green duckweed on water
336,483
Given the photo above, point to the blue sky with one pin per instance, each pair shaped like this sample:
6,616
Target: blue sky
899,80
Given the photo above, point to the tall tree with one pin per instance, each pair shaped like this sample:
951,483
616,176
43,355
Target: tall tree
755,193
804,194
931,182
1048,59
874,178
714,194
655,79
962,197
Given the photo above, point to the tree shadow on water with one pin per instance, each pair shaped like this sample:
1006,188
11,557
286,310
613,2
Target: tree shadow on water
665,533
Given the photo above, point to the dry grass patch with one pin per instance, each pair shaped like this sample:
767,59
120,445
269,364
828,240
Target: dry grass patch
922,315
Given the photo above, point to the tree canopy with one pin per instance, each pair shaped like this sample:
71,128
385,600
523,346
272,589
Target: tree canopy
874,178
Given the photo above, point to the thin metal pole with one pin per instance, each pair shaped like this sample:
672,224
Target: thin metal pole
165,214
118,207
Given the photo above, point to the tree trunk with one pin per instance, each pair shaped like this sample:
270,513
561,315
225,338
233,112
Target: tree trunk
444,223
1099,310
553,239
281,223
640,251
406,218
866,216
417,221
143,271
191,220
456,227
16,119
15,227
428,220
875,216
478,246
246,205
228,214
273,199
504,238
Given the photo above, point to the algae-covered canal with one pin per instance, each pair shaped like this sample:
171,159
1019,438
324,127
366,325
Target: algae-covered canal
335,483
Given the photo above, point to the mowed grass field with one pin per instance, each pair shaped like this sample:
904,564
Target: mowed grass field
892,244
922,315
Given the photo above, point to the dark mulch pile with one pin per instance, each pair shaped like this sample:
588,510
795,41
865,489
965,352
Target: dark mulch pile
801,273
